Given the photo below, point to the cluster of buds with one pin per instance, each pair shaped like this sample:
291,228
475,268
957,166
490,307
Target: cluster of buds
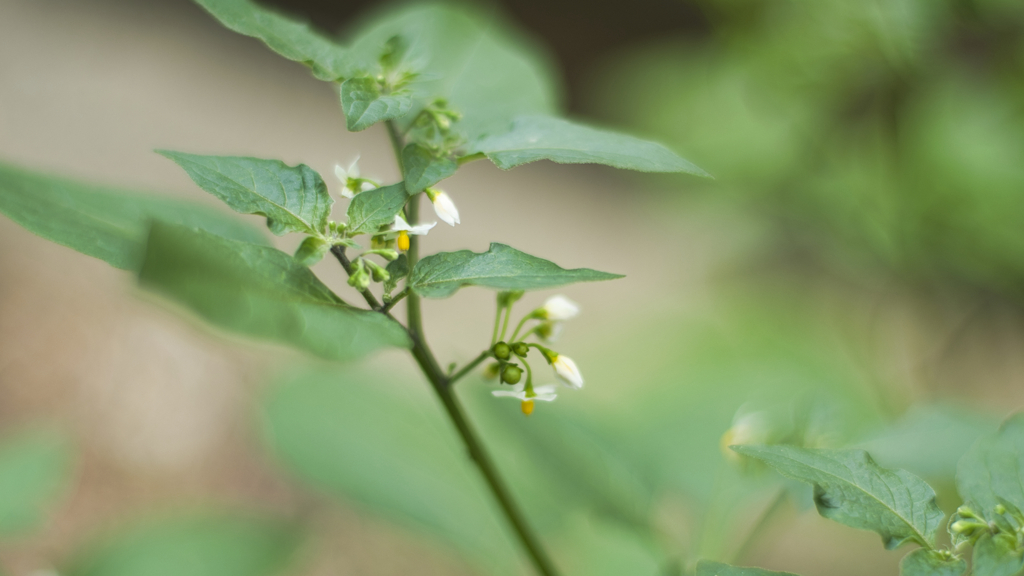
432,127
555,310
364,270
1005,523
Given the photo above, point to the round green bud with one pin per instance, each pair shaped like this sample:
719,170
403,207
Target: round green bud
1000,509
501,351
520,348
512,374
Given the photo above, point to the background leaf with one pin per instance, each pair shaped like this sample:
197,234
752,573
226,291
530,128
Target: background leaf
501,267
262,292
372,209
289,38
34,469
708,568
535,138
384,443
997,555
851,489
293,198
993,469
423,169
107,224
206,545
365,105
923,562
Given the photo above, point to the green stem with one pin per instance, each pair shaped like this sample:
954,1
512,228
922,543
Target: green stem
442,386
468,367
504,325
396,299
519,327
497,324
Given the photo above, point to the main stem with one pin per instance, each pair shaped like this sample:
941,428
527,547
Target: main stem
442,386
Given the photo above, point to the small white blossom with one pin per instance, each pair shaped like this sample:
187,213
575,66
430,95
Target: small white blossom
567,371
351,183
543,393
559,308
443,206
401,225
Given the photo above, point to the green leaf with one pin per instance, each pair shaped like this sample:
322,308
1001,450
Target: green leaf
535,138
107,224
997,555
708,568
364,104
371,438
292,39
34,470
922,562
993,469
423,169
852,490
262,292
396,269
293,198
501,267
207,545
311,251
372,209
485,72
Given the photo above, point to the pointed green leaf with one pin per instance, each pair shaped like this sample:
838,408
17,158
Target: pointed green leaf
365,105
535,138
35,466
423,169
501,267
261,292
206,545
290,38
993,469
107,224
311,251
372,209
922,562
852,490
292,198
708,568
997,555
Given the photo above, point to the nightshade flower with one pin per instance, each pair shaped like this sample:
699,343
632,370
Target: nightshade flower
443,206
351,183
567,371
404,229
527,395
558,308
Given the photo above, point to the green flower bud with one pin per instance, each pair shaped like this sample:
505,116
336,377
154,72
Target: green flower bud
1000,509
501,351
359,279
378,271
511,374
966,527
520,348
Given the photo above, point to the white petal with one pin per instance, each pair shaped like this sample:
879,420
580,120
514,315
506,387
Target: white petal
418,230
445,208
545,393
341,174
366,187
560,308
510,394
347,193
567,371
353,168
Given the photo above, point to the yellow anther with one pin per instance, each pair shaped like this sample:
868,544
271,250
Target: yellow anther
527,407
403,240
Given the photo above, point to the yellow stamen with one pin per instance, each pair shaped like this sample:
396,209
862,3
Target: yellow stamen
403,240
527,407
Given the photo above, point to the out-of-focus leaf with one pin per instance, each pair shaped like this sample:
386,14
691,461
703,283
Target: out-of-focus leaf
207,545
364,104
484,72
34,469
993,469
501,267
708,568
292,39
293,198
107,224
851,489
262,292
535,138
372,209
922,562
422,169
997,555
358,436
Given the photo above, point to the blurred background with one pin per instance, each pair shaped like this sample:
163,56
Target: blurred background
854,276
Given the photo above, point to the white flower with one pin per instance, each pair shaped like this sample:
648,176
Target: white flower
351,183
567,371
401,225
559,308
543,393
443,206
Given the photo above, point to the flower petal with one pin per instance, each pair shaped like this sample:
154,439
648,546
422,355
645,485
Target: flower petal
445,208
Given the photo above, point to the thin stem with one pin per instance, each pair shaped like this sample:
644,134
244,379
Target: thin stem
497,324
519,327
468,368
339,253
504,325
766,517
396,299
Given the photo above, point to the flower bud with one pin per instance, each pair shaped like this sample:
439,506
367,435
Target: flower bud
511,374
558,308
567,371
377,271
360,279
520,348
501,351
965,527
1000,509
